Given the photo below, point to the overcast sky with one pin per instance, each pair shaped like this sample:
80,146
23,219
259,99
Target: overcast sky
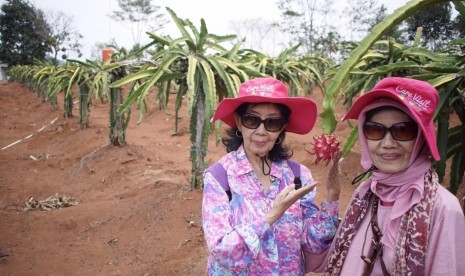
91,18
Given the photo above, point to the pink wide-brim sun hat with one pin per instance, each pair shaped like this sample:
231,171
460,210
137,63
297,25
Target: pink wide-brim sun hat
269,90
419,97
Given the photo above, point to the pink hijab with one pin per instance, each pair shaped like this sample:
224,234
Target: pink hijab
404,188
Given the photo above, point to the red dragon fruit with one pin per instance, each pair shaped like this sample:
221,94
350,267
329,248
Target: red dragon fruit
326,147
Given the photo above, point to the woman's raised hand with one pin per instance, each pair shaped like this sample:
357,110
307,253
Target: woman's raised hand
285,199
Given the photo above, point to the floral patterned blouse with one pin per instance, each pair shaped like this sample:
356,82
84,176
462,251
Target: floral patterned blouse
238,237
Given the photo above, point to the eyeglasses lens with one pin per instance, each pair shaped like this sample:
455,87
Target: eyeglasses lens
253,122
404,131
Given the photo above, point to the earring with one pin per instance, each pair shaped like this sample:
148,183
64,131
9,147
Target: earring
238,134
278,141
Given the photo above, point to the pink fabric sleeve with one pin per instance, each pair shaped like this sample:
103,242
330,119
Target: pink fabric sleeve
446,250
314,262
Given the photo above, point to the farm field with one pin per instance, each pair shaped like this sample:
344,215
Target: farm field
131,210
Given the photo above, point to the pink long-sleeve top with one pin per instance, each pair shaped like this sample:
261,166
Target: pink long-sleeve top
238,237
446,245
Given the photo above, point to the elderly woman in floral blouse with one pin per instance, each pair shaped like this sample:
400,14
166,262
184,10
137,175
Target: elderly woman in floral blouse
268,225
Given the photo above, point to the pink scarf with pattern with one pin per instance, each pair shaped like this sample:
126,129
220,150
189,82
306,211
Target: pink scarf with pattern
412,238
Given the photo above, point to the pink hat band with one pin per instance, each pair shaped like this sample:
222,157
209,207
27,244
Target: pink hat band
269,90
419,97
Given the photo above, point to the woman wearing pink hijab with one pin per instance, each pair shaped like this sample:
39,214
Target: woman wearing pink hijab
401,220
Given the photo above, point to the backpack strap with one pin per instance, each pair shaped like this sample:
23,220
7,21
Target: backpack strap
219,173
295,167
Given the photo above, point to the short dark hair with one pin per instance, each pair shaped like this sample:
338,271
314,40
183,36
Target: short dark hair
233,139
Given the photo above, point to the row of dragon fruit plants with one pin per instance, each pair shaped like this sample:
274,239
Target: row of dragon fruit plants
204,78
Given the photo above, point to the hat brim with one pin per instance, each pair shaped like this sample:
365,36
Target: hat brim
373,95
301,121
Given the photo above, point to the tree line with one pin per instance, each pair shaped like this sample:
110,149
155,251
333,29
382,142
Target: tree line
27,34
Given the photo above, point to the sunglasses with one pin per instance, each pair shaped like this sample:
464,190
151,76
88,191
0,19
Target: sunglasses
404,131
271,124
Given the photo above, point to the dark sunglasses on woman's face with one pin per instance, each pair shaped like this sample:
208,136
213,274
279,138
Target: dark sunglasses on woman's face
271,124
404,131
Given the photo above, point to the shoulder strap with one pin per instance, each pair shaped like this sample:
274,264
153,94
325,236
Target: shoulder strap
219,173
295,167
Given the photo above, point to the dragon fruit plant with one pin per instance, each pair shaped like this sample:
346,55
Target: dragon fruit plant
325,147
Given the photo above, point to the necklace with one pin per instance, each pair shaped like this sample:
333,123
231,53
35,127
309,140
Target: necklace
376,240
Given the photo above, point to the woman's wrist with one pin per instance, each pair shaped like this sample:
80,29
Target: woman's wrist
332,196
